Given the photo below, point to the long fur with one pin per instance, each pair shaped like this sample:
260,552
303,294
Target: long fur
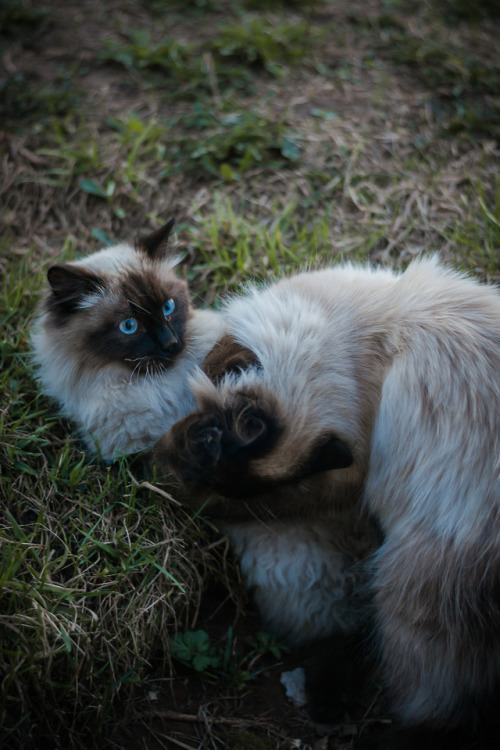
403,369
118,409
306,577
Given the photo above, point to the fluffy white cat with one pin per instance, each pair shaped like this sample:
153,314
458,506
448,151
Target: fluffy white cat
360,392
115,340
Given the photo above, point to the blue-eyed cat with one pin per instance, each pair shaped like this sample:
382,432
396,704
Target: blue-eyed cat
115,341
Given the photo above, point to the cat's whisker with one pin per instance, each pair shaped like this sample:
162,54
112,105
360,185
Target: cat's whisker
136,369
198,297
139,307
261,520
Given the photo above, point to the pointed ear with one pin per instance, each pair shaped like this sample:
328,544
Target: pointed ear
330,453
155,244
70,284
227,355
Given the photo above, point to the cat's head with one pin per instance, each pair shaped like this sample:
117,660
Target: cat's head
122,305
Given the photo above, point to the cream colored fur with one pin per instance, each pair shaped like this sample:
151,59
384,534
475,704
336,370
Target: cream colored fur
304,584
405,368
115,411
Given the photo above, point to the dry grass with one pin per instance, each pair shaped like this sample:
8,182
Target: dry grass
378,139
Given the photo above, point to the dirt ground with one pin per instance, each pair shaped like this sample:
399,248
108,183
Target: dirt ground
387,121
191,711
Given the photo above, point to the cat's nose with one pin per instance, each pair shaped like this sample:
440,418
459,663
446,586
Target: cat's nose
169,342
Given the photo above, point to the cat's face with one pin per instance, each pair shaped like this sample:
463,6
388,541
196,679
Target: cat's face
124,305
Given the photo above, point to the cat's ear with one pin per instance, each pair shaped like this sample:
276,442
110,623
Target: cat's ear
155,245
70,284
227,355
329,453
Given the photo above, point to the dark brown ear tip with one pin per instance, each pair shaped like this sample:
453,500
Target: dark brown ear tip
329,454
155,244
59,275
54,270
228,356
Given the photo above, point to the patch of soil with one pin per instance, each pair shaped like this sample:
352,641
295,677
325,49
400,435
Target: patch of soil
192,711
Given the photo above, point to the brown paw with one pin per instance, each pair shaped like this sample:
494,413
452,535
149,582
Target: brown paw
214,449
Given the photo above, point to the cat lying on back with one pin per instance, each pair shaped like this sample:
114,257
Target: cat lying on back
353,386
115,341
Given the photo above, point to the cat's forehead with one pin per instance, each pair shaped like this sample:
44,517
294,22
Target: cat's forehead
110,260
150,285
128,276
124,257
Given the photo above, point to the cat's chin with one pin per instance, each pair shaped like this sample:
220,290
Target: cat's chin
150,366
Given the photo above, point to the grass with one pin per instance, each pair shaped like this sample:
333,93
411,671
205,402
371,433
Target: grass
77,539
281,135
234,665
437,53
236,142
264,43
230,250
163,59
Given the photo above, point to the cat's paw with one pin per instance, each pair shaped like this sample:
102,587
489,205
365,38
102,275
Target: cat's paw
337,677
214,449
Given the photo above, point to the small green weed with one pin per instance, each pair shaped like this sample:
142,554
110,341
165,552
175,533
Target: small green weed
168,61
25,98
193,648
233,143
260,42
229,661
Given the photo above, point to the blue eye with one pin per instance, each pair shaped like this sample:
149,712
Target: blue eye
168,307
129,326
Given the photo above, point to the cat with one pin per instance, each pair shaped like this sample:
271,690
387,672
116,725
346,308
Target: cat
115,340
349,393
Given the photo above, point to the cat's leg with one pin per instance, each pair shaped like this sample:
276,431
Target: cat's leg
307,591
338,673
305,585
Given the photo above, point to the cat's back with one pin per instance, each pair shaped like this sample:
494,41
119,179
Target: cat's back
439,299
436,440
308,315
